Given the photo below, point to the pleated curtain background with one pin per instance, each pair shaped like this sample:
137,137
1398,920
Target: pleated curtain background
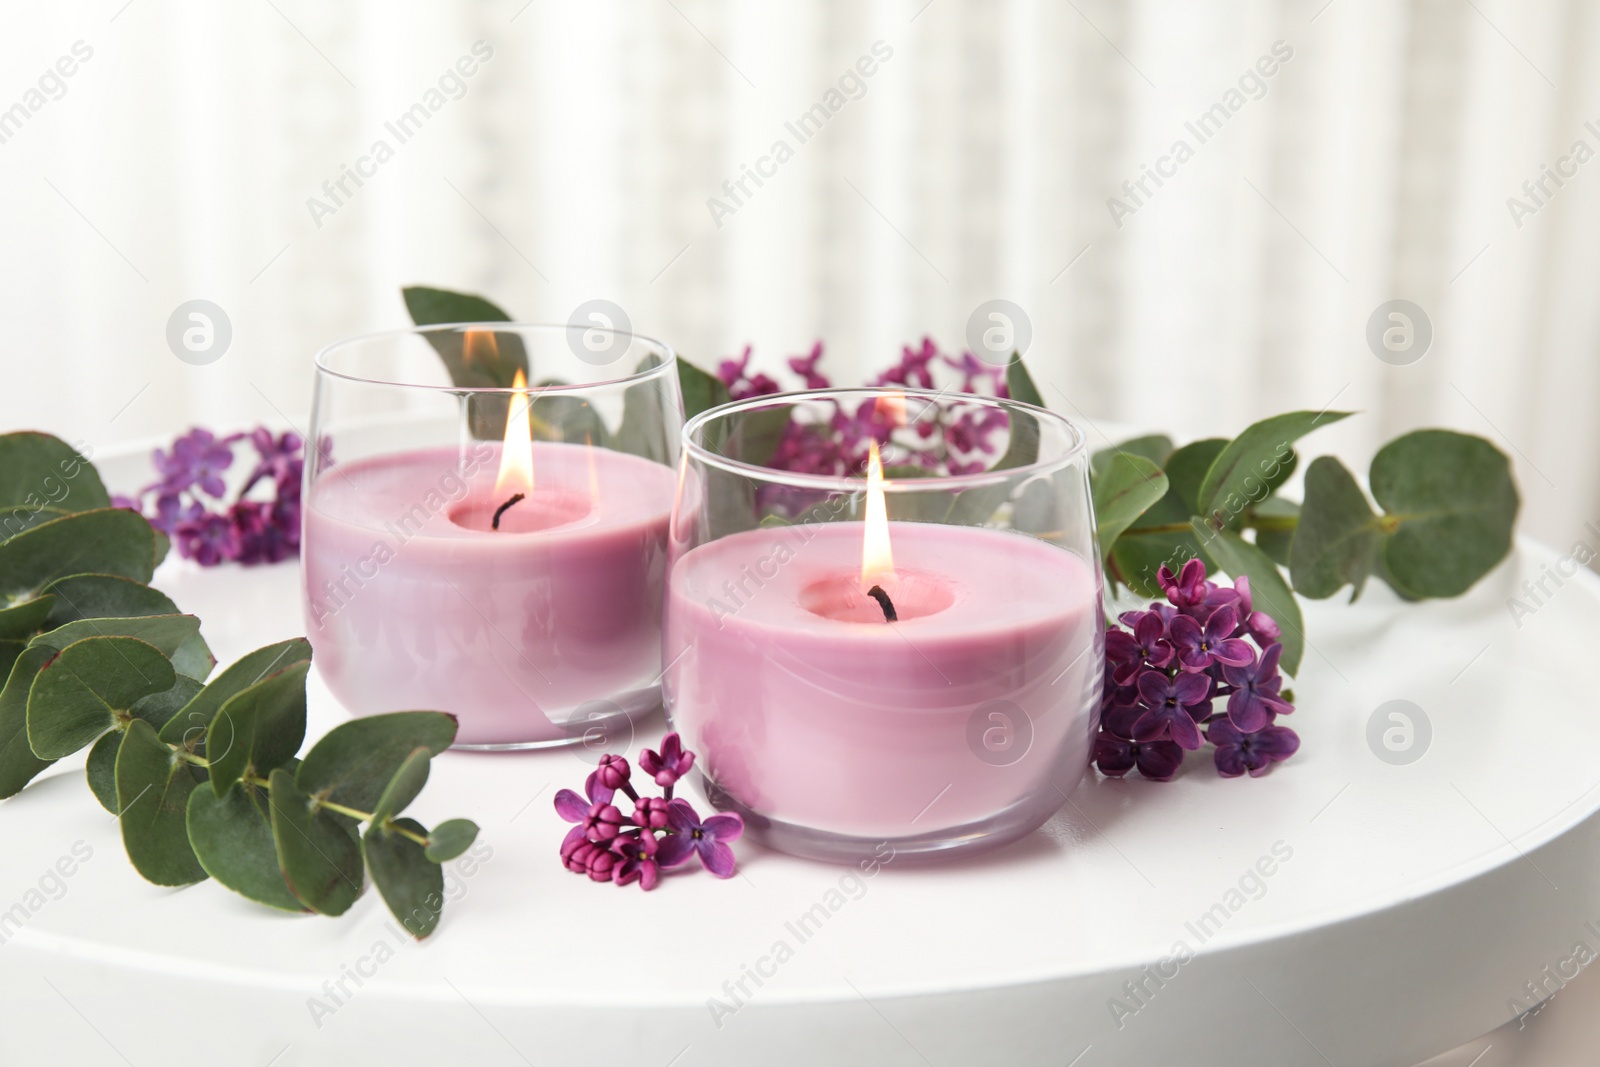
979,161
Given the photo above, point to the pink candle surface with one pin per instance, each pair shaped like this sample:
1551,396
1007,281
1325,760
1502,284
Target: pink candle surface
413,601
809,708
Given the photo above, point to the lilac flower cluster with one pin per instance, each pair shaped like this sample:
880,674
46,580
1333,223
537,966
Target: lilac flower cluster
609,846
951,438
1173,662
189,499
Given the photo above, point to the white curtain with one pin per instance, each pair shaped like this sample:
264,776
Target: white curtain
976,161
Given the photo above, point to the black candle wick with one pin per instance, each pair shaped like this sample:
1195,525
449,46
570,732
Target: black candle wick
501,510
877,593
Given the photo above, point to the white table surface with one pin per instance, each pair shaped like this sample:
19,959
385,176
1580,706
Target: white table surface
1417,902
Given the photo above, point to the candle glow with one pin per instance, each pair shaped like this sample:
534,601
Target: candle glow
877,559
516,456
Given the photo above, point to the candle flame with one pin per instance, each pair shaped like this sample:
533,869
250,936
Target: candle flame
516,455
877,561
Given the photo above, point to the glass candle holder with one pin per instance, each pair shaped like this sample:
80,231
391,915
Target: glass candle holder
906,657
478,546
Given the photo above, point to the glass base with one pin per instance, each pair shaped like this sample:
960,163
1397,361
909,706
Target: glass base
599,726
949,843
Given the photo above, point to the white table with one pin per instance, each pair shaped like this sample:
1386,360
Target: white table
1406,908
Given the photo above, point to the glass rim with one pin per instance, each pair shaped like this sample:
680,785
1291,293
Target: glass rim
662,349
855,483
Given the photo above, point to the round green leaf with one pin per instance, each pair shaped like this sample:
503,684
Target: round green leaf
404,786
22,621
410,883
259,728
41,470
450,839
79,694
104,596
1245,471
353,764
165,632
189,727
232,838
319,855
101,769
153,788
1452,503
1127,487
109,541
18,764
1336,541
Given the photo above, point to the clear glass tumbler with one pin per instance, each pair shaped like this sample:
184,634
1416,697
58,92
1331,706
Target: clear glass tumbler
477,545
873,654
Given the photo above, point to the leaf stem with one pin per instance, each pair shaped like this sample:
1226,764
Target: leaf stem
340,809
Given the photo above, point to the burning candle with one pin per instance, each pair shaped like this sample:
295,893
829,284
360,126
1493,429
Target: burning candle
517,585
849,683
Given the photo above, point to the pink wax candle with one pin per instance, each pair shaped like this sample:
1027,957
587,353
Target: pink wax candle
810,709
414,600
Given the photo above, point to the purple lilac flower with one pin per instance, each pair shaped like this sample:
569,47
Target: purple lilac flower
208,540
650,813
197,458
1172,706
172,509
1147,646
639,862
267,532
1116,753
1188,588
740,382
1255,702
708,839
613,771
1239,752
670,764
280,459
600,863
1262,628
806,367
596,816
1200,646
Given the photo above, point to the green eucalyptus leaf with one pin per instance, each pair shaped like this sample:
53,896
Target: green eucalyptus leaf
561,417
354,762
1268,590
1187,466
193,658
701,391
410,883
1019,383
15,518
1154,447
153,788
111,541
1161,536
1128,487
1452,505
165,632
18,764
318,855
1275,520
21,622
189,726
104,596
82,692
450,839
39,470
493,366
163,545
404,786
260,728
1336,542
1243,473
232,839
755,435
101,769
